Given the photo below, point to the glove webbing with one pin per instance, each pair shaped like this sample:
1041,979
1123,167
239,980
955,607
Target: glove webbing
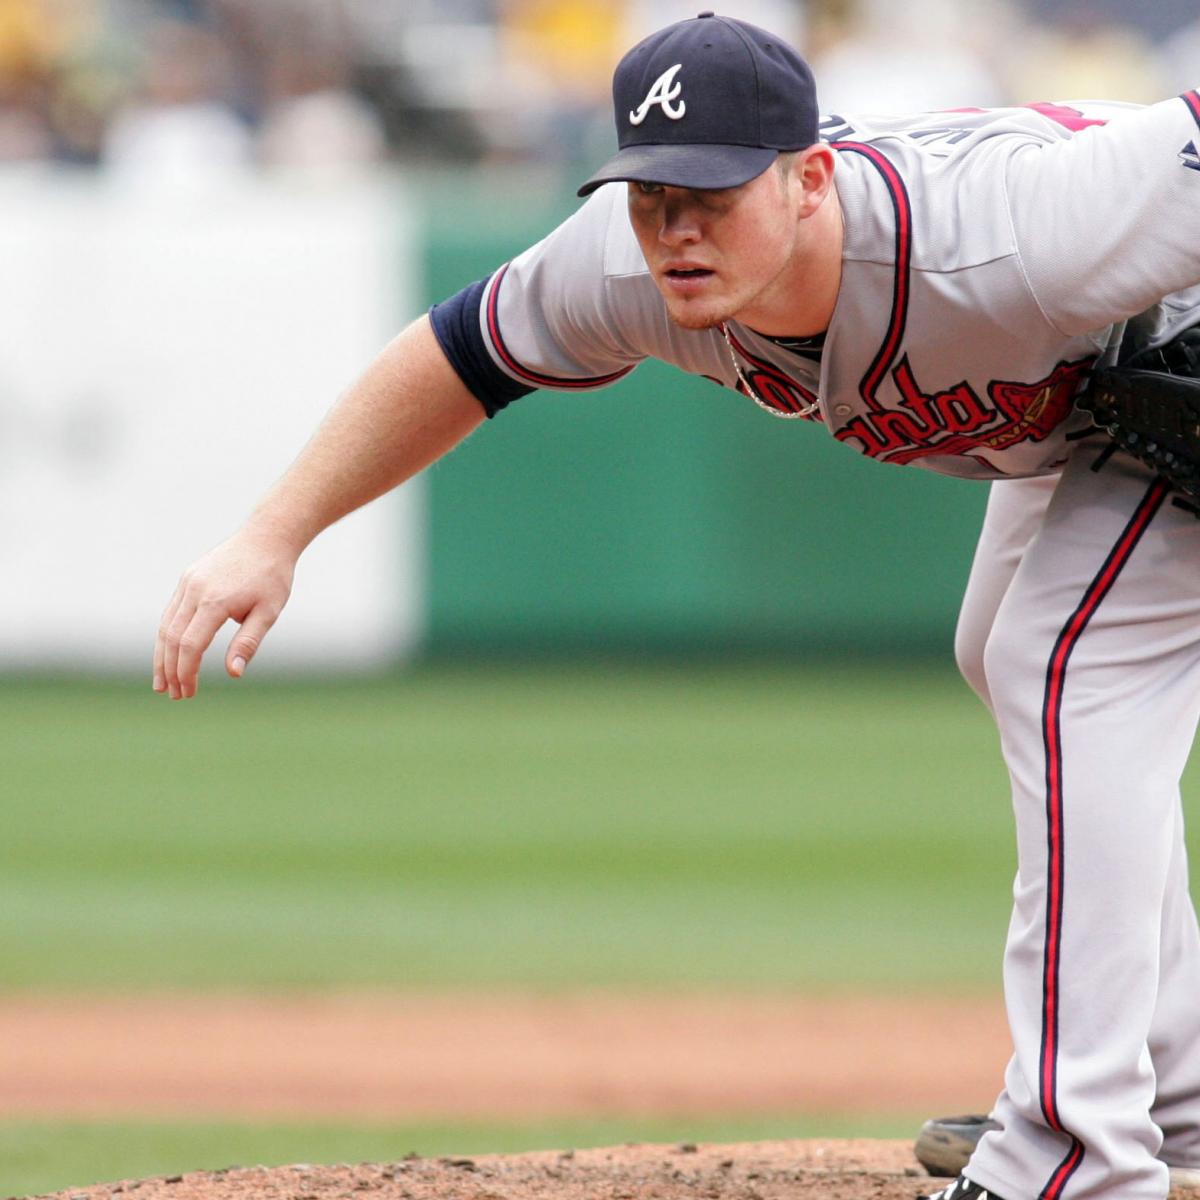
1150,406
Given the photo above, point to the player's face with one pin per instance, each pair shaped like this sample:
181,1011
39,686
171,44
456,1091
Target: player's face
720,254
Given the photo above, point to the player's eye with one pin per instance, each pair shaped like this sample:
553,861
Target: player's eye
647,189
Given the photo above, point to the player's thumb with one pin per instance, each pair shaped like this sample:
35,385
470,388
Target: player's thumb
247,640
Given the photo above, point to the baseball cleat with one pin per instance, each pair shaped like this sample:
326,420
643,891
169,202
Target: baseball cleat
946,1143
963,1189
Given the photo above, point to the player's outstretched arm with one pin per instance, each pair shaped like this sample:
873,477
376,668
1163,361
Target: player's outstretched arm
408,409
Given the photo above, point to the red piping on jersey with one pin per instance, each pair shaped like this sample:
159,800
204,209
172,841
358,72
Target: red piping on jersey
521,372
1056,673
901,280
1192,100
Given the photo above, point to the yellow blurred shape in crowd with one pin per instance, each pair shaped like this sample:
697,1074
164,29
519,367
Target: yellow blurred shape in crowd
573,41
27,44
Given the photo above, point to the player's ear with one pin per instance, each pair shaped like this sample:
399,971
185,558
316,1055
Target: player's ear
812,170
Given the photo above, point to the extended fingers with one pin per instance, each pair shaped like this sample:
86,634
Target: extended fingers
246,642
192,641
187,631
188,627
244,581
162,640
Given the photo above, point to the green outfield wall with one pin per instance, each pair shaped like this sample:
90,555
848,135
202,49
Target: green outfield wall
667,514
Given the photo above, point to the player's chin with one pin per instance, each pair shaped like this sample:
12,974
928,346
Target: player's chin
694,306
696,315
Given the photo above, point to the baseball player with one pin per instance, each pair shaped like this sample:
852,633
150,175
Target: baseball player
934,291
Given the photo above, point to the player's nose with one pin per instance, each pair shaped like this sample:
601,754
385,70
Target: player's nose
679,223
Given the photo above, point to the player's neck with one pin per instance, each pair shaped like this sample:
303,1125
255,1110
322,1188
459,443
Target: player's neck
801,301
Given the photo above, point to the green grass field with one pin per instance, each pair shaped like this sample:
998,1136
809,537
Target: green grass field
548,827
661,827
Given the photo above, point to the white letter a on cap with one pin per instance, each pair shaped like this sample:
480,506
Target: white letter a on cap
662,93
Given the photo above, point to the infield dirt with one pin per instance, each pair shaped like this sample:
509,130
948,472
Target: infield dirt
808,1170
457,1056
513,1056
875,1170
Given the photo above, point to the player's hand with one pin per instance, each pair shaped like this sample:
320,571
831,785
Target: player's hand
246,579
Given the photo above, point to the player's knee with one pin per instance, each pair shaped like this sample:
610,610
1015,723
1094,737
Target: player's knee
1008,661
970,646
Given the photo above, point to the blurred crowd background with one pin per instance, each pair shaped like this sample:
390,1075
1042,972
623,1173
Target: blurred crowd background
332,167
172,86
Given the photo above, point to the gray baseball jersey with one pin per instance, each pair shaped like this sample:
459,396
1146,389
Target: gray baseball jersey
991,258
989,261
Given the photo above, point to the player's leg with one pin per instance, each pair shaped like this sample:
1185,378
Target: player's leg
1093,670
1014,513
946,1144
1175,1030
1015,509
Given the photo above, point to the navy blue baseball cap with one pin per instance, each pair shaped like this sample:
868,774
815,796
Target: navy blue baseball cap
708,103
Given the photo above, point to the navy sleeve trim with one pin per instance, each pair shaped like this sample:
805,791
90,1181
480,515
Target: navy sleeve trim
455,323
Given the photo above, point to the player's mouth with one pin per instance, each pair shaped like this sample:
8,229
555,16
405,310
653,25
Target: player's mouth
685,280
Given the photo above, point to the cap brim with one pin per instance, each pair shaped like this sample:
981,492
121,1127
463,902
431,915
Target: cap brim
688,166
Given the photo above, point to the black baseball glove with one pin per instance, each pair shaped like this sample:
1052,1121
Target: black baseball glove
1150,406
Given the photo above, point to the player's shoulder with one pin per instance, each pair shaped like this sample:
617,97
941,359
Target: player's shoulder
599,234
942,175
588,279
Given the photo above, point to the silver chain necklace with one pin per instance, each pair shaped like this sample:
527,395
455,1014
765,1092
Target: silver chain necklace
806,411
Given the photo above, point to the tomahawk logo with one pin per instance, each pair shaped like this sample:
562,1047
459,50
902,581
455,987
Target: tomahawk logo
663,94
1189,156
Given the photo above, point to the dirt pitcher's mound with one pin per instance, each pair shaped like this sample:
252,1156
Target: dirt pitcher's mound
808,1170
